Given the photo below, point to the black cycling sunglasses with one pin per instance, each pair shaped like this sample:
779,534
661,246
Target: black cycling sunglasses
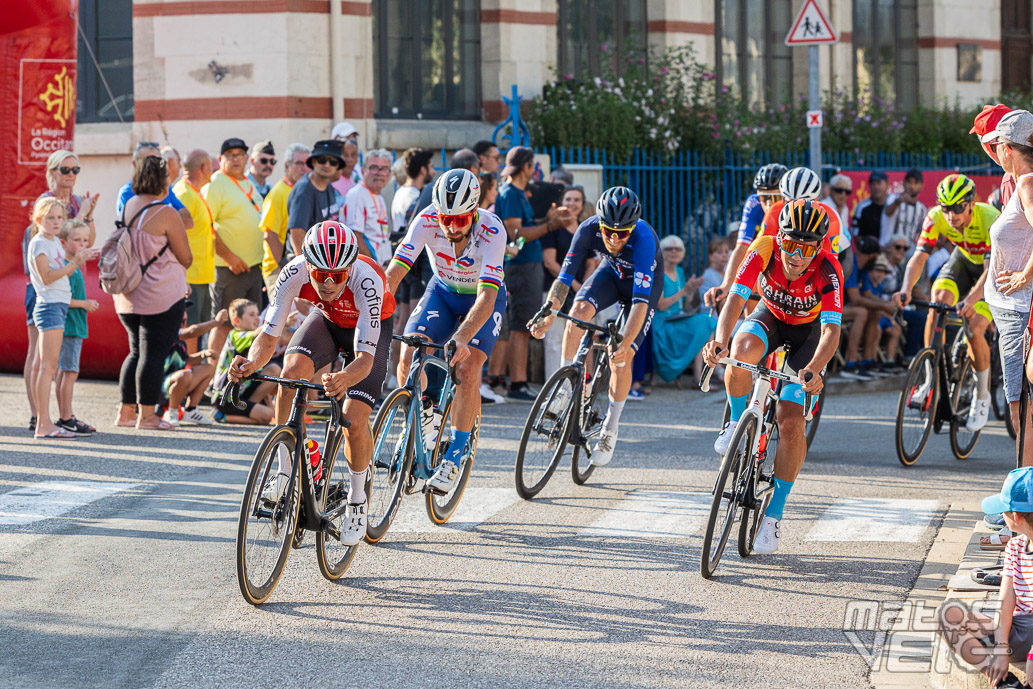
955,207
69,170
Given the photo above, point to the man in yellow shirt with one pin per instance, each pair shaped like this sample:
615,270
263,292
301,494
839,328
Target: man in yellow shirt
274,215
201,273
236,208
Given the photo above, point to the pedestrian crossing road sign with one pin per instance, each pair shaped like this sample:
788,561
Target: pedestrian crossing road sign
811,27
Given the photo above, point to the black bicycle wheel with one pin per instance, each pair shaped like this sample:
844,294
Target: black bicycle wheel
591,413
812,425
391,460
916,408
762,479
441,507
998,399
332,556
727,495
726,415
265,529
963,441
545,433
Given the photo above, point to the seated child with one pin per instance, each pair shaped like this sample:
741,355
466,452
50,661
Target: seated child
258,397
183,383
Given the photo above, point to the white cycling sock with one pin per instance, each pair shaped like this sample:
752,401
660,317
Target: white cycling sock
983,384
613,416
357,490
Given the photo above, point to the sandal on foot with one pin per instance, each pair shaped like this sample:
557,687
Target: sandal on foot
994,541
163,425
994,521
58,434
32,424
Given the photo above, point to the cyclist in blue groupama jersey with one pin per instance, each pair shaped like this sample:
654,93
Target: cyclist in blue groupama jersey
765,182
627,273
466,247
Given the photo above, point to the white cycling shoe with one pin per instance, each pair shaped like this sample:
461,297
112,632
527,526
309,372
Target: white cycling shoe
355,528
724,438
978,413
444,479
275,487
603,452
767,536
560,401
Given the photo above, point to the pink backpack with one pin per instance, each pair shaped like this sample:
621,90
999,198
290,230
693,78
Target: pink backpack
120,268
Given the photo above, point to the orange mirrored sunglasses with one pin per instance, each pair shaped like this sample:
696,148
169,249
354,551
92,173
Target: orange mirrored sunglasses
334,276
793,247
451,221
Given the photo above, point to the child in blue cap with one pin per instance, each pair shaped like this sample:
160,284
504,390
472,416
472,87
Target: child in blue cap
986,646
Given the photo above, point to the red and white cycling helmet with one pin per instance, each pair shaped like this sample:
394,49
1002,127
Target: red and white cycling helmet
330,245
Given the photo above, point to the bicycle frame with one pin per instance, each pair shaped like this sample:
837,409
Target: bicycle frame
947,369
422,468
314,518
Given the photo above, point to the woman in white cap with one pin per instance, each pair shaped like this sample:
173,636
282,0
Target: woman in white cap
1008,288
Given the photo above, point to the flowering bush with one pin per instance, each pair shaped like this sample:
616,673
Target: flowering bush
673,102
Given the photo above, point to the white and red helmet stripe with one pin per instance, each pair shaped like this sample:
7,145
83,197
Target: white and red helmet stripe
330,245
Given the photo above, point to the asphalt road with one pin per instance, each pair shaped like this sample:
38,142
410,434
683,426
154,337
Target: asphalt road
586,586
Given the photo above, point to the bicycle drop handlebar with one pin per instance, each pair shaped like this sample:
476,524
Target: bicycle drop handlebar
231,393
449,349
608,329
808,403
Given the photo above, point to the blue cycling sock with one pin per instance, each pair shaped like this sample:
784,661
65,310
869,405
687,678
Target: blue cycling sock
456,447
738,406
778,499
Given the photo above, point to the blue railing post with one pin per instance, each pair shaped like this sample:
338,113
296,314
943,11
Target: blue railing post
518,135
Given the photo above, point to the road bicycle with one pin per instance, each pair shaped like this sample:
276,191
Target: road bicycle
774,361
267,529
746,477
403,460
938,390
568,411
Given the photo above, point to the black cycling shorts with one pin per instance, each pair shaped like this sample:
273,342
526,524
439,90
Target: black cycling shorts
800,341
322,341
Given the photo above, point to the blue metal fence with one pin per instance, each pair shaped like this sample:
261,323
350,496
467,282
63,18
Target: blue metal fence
699,197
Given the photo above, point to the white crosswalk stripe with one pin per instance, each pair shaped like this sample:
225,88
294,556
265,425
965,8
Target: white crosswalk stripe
653,514
50,499
874,519
477,505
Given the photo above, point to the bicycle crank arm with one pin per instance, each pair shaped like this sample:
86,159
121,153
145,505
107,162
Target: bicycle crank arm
330,530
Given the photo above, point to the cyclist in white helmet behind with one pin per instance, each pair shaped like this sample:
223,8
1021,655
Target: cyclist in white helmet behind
352,316
466,247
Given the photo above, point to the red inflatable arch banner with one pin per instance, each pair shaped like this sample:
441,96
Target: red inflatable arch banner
37,117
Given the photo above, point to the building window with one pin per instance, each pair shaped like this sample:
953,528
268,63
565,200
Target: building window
752,58
428,58
886,51
106,92
595,37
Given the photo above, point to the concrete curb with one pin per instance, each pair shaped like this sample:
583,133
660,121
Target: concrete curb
954,548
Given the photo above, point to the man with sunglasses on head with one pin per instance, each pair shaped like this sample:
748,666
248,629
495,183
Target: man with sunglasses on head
465,246
313,199
801,309
629,272
352,316
965,223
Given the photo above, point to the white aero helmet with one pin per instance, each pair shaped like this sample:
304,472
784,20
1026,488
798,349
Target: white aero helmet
456,192
800,183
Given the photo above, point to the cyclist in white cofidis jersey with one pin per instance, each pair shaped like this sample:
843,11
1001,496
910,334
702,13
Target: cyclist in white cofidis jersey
466,247
352,315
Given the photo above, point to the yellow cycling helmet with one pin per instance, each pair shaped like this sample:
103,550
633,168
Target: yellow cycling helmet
955,189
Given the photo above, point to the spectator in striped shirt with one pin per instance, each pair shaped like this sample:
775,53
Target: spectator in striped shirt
904,213
989,647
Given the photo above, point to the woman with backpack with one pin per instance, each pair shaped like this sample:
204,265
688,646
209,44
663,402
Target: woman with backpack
151,310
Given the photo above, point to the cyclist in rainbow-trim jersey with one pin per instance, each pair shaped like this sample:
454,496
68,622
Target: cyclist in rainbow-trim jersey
466,247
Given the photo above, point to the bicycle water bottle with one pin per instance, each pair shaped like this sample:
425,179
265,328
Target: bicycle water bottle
312,450
430,419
